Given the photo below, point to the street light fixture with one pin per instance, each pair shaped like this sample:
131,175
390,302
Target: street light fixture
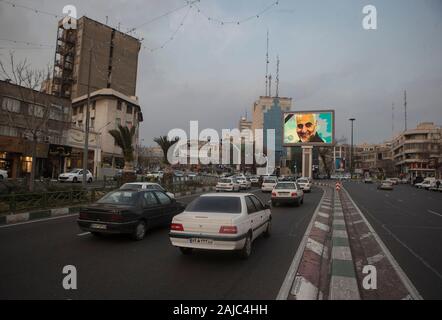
351,147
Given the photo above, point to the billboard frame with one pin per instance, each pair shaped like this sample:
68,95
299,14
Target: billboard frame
315,144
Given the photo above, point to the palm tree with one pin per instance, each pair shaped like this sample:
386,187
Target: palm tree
124,139
165,144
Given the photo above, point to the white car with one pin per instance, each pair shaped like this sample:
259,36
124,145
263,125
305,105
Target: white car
146,186
3,174
287,192
254,180
244,183
75,175
305,184
268,184
221,221
368,180
155,175
227,184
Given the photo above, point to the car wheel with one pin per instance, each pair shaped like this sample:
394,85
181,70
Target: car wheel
268,230
89,180
246,251
1,178
302,200
297,202
140,231
186,251
74,180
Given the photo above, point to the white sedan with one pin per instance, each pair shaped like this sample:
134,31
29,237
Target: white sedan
146,186
287,192
305,184
227,184
268,184
221,221
244,183
75,175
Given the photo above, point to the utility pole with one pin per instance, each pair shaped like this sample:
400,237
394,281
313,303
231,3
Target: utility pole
277,77
351,147
86,129
267,63
392,119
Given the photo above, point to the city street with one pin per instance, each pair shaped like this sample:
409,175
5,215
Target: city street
409,222
33,256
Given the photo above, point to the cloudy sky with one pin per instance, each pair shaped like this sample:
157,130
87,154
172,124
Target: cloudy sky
213,73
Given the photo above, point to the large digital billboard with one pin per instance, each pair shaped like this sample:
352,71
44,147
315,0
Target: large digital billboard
309,128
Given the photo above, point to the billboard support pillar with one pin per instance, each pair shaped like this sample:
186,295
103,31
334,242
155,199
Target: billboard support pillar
307,161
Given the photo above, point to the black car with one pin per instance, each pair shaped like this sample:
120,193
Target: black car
130,212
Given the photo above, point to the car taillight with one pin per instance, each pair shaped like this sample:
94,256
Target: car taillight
115,217
273,194
176,227
228,229
83,216
294,194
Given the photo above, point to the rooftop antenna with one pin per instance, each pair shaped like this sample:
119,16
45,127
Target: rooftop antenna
107,20
405,108
270,85
267,63
277,76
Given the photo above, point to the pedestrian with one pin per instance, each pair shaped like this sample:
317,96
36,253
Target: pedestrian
437,184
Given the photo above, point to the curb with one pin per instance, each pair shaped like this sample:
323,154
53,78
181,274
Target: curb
56,212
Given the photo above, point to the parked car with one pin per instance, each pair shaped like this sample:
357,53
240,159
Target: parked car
426,183
75,175
417,180
385,185
395,181
305,184
227,184
145,186
129,212
3,174
178,173
254,180
221,222
155,175
368,180
287,192
268,184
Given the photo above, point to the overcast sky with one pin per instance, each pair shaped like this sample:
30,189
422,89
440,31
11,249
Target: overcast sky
213,73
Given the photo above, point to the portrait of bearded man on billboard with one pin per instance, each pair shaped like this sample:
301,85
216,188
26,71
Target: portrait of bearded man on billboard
306,128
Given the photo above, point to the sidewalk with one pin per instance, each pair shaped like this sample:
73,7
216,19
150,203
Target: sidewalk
338,244
56,212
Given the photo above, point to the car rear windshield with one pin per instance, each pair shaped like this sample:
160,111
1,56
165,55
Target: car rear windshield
120,197
285,186
302,181
128,186
225,181
269,181
215,204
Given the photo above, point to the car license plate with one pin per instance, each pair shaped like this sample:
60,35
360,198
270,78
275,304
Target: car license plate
201,241
283,193
98,226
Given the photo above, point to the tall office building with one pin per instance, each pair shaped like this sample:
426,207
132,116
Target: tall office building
113,57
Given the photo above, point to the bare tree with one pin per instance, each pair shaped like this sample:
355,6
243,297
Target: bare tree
326,154
34,120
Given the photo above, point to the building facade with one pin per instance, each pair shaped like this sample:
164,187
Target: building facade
417,152
112,55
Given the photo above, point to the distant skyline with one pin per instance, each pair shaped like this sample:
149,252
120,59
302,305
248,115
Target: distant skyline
213,73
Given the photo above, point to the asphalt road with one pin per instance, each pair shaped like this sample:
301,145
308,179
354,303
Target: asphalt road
33,255
409,222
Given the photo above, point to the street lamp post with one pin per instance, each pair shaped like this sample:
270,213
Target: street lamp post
351,147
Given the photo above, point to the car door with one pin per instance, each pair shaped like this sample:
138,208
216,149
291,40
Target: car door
253,215
152,210
168,208
264,215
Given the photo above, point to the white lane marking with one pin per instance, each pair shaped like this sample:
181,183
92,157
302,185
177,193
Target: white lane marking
38,220
315,246
433,212
375,259
304,289
290,276
83,234
322,226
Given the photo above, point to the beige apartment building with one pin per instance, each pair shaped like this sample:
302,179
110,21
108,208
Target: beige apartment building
112,55
263,104
244,124
109,108
417,152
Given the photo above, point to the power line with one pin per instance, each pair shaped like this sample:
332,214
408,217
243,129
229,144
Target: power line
27,43
38,11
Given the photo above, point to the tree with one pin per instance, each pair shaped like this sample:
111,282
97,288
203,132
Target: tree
35,121
165,144
326,155
124,139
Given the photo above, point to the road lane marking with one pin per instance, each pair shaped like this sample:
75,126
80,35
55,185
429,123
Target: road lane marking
83,234
433,212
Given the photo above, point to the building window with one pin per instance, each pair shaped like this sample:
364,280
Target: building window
119,105
11,105
74,111
129,109
26,164
56,113
36,110
93,105
92,122
80,110
80,123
